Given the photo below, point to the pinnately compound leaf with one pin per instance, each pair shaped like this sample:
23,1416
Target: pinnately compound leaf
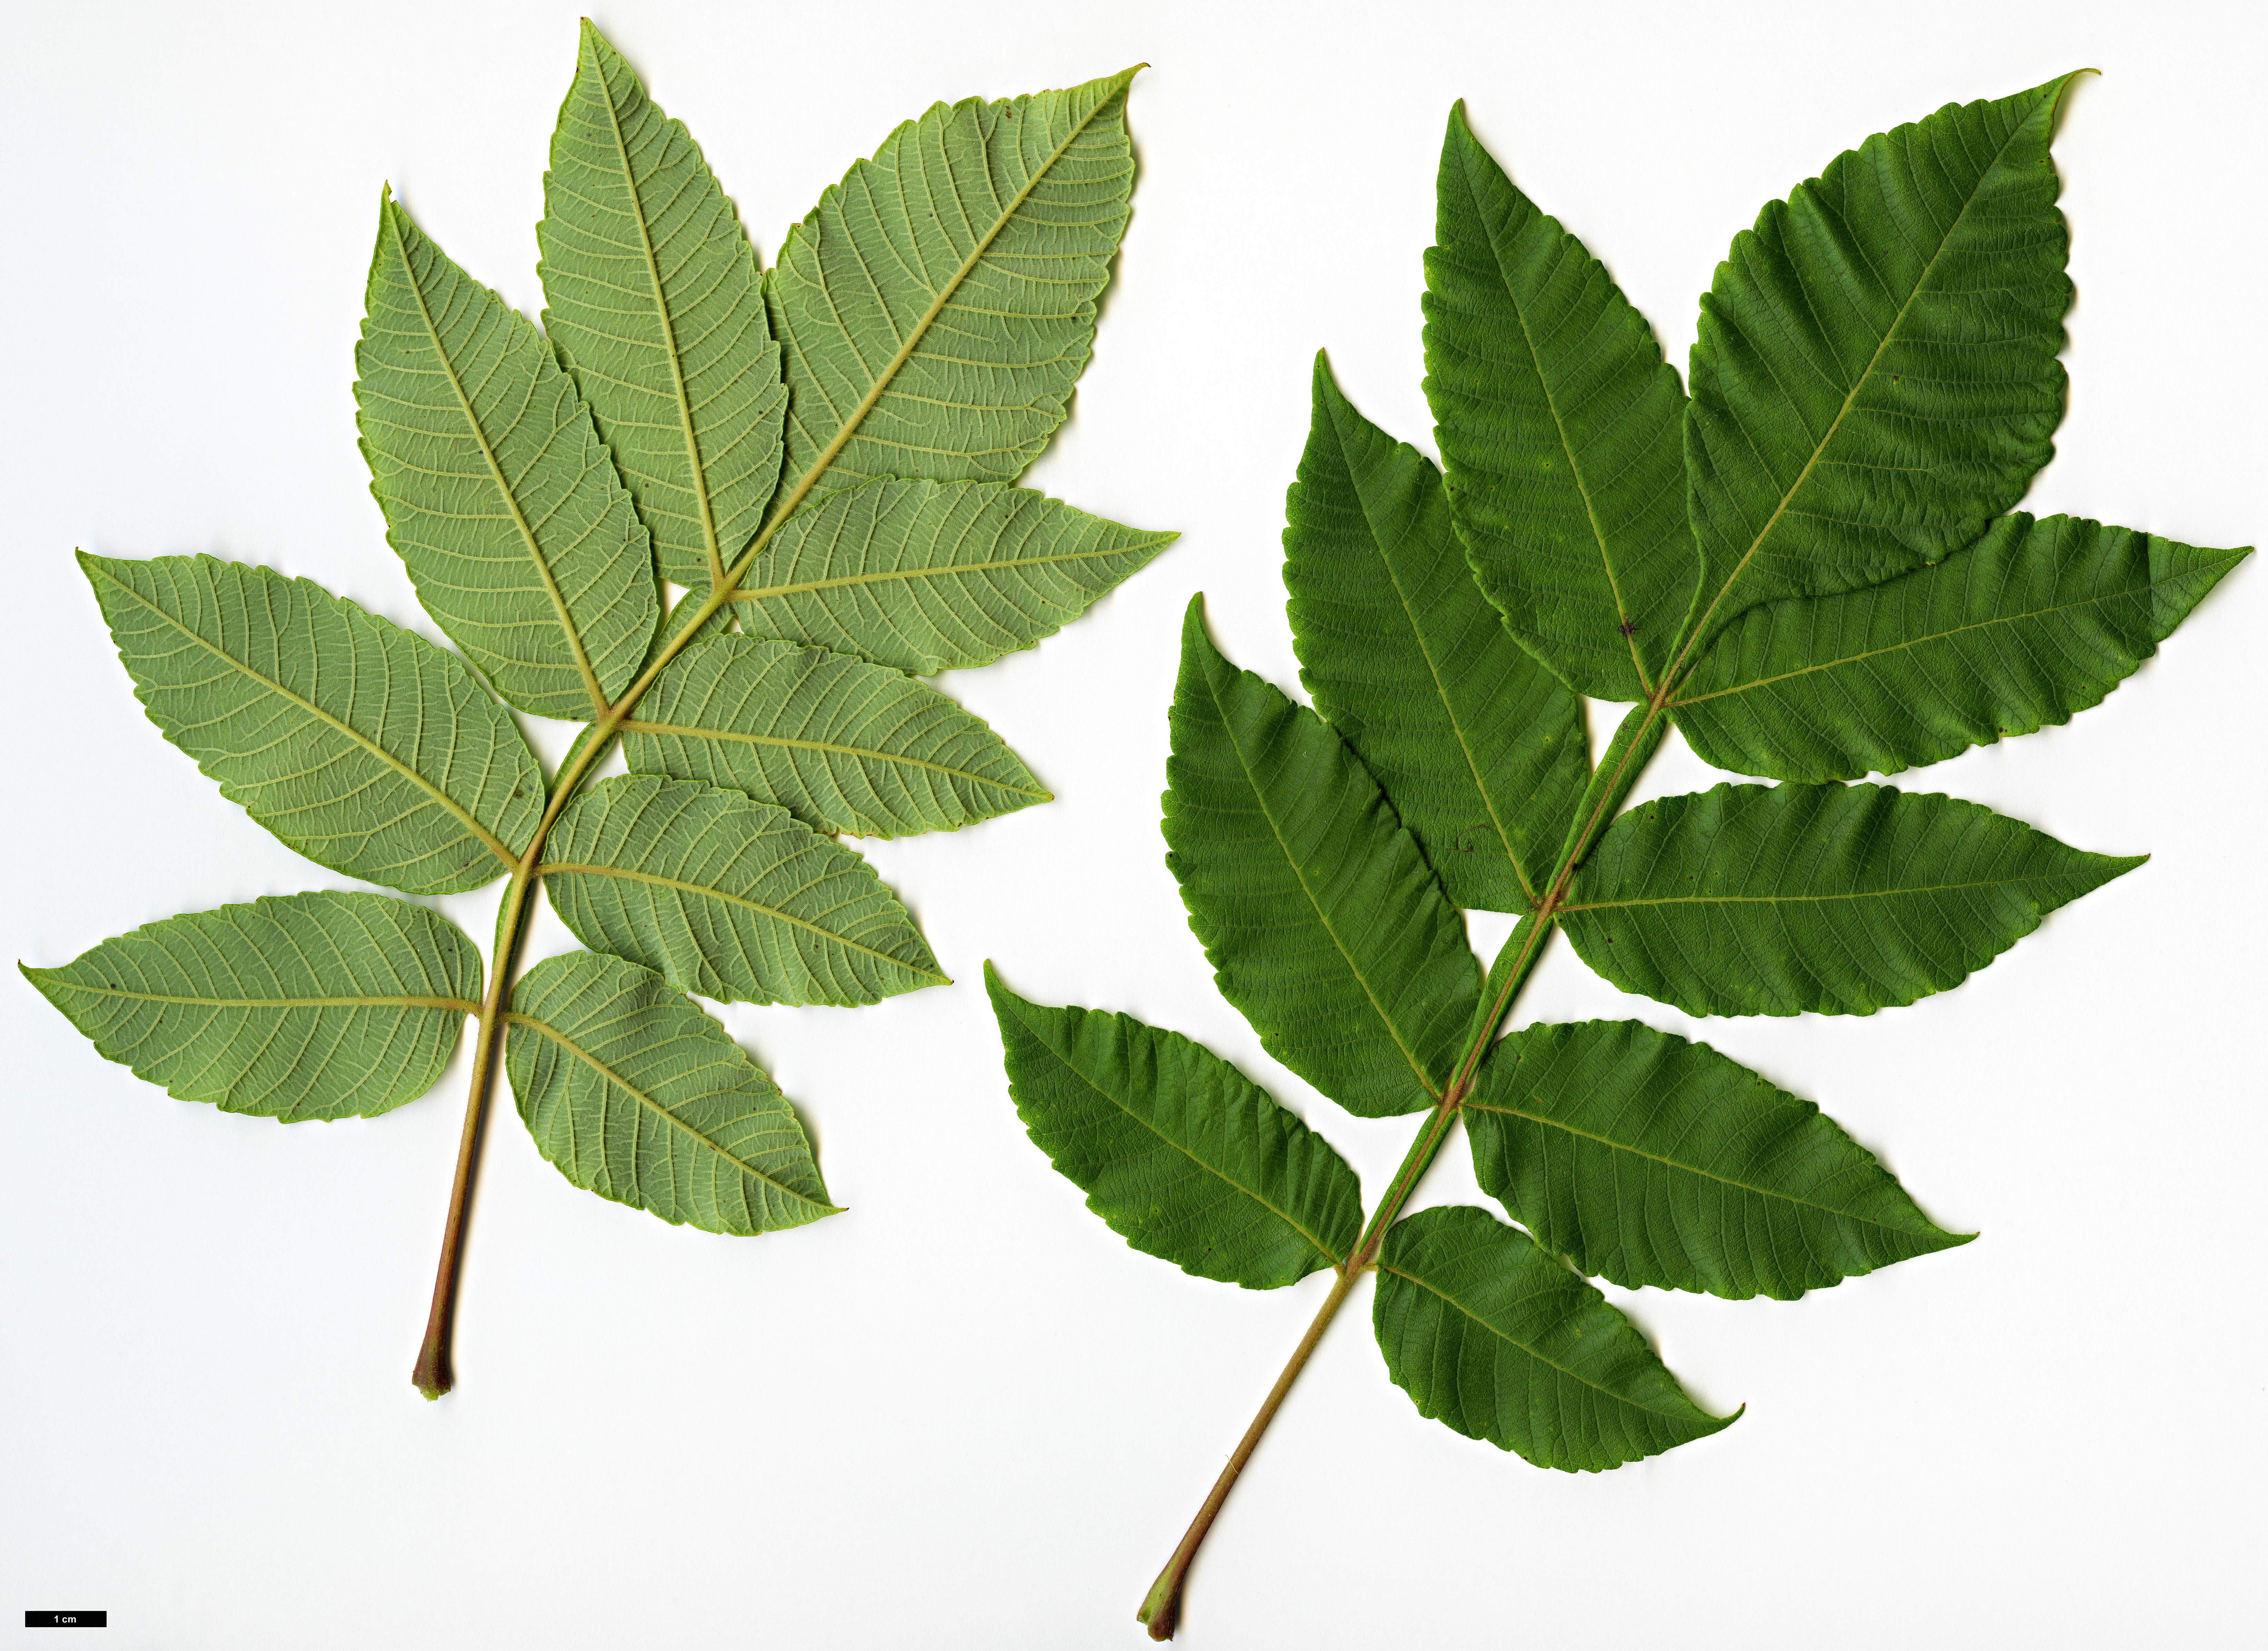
732,898
1650,1160
1832,899
1559,423
653,295
1875,374
843,745
930,577
358,743
2035,621
550,493
1480,748
498,493
938,303
1325,926
1184,1156
1491,1336
634,1094
316,1005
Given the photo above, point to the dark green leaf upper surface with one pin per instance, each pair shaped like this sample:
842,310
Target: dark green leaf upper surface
1650,1161
653,294
1480,748
1488,1334
844,744
930,577
358,743
1185,1157
730,898
316,1005
2035,621
1875,374
1841,900
1559,425
1324,925
498,492
938,303
637,1097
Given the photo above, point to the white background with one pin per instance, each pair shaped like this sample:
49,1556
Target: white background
965,1414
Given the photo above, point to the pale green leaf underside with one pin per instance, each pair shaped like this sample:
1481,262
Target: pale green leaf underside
653,295
1481,749
843,745
358,743
930,577
938,303
316,1005
1875,374
1647,1159
1559,425
732,898
2035,622
1324,925
1182,1156
498,495
637,1096
1490,1334
1834,899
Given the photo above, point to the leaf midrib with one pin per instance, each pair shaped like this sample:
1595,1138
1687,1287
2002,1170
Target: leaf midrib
461,1004
1285,1216
1425,651
1692,1169
1850,399
668,329
553,867
2129,592
802,587
472,825
495,470
1510,1340
633,725
905,352
1574,465
514,1017
1776,900
1292,860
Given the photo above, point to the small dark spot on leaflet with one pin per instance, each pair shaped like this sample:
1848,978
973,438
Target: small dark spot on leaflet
1627,628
